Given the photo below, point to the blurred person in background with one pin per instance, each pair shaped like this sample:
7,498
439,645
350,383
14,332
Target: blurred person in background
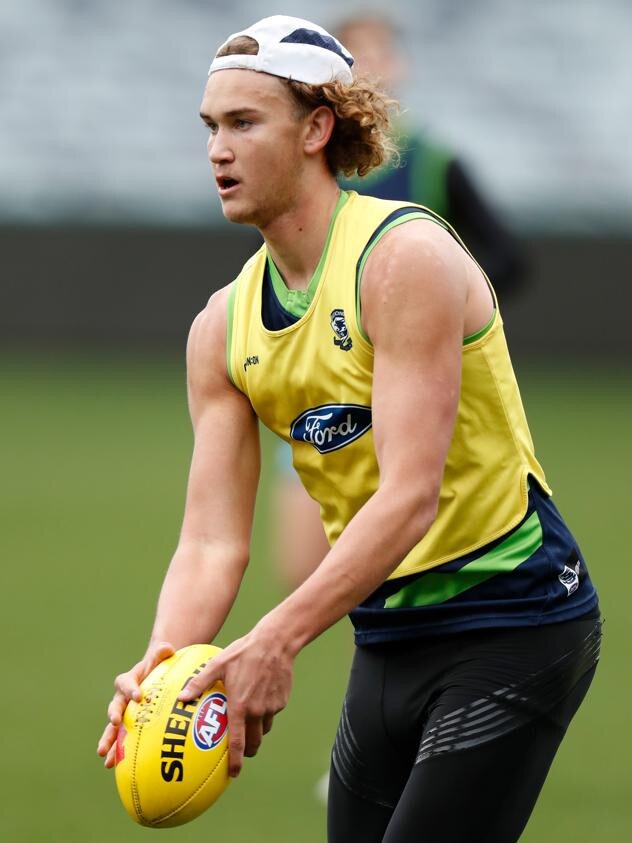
428,174
476,622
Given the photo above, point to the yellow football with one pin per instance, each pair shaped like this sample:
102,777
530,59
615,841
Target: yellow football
171,756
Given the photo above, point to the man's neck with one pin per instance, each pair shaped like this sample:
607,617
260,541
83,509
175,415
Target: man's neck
296,239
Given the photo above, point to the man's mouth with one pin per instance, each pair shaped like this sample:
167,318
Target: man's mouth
225,185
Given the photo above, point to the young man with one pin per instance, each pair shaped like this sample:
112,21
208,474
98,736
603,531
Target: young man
364,334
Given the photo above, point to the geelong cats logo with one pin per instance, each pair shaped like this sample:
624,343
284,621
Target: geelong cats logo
331,426
339,326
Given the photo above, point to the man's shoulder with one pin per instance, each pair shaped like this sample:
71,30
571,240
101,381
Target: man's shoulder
419,262
208,331
206,345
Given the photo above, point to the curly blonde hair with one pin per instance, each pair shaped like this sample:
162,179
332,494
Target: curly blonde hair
362,138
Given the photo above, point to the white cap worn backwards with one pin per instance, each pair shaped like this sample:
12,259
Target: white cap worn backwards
294,49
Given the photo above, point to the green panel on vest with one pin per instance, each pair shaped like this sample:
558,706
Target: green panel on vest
433,588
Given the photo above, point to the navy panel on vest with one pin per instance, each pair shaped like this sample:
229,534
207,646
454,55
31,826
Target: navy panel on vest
551,585
273,315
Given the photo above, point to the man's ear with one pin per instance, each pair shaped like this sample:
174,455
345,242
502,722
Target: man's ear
319,127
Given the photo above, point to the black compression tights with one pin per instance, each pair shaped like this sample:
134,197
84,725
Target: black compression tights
474,768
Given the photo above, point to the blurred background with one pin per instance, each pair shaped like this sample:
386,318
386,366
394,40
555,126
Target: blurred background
112,239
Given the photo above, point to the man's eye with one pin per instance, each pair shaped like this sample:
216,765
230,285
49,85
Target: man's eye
212,127
242,124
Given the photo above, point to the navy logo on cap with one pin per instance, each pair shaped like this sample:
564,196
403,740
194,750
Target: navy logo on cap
331,426
316,39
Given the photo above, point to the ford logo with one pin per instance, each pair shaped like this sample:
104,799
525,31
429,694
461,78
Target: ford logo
331,426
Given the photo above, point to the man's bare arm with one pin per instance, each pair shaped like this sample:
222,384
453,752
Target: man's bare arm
208,565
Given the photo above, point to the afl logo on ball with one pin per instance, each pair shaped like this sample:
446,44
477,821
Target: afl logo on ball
211,721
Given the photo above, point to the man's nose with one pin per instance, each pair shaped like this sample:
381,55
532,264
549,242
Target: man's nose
219,150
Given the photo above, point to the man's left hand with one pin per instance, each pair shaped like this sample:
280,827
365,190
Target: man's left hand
256,671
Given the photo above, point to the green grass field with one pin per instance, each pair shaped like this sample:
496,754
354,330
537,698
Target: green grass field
94,460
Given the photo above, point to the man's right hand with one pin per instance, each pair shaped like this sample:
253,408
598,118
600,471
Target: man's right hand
127,687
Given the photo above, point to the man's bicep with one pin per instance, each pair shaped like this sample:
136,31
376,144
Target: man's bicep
225,464
414,408
417,332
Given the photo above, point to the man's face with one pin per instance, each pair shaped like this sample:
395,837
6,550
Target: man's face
255,144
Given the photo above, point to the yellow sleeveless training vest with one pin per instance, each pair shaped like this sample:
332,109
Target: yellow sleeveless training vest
311,384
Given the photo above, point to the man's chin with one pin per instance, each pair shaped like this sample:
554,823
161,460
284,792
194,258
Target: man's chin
234,213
